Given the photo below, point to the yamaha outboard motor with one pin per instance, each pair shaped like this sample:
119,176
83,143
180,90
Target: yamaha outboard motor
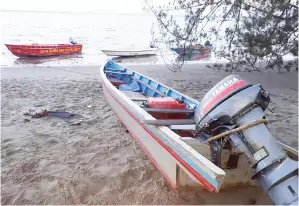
232,103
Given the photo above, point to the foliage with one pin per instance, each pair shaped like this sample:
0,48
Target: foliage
251,34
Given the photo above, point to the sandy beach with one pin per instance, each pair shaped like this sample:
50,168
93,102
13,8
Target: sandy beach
53,161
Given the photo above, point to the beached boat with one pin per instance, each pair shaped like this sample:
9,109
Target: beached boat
130,52
197,53
43,50
181,135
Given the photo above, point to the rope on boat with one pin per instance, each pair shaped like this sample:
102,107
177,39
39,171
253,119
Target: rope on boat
238,129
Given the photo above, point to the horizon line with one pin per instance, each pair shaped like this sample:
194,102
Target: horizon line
70,11
91,12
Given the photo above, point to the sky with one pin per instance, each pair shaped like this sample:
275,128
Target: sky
118,6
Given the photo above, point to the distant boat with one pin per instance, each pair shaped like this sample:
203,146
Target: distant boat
193,53
43,50
130,52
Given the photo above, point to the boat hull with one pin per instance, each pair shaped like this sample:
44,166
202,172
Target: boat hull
192,54
130,53
44,50
180,169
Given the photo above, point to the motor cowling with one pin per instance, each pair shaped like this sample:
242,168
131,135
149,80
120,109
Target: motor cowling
230,97
219,93
235,103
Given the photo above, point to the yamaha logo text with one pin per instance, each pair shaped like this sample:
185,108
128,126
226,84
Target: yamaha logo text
225,85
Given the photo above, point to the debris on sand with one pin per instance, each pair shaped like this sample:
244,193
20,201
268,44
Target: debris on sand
73,119
45,113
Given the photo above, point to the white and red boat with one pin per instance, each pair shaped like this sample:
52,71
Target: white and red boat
172,129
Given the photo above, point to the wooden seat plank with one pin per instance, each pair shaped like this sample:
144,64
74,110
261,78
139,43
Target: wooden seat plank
110,72
187,127
164,110
135,96
168,122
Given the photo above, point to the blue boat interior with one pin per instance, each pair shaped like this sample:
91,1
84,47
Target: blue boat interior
140,88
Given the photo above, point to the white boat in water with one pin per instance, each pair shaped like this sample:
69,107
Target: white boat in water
130,52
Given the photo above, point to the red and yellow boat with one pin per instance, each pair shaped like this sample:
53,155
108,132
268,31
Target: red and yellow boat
43,50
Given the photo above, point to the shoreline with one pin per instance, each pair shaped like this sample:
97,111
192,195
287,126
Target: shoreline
276,79
163,56
220,66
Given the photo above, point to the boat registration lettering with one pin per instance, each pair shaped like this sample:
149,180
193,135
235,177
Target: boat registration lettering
69,50
46,51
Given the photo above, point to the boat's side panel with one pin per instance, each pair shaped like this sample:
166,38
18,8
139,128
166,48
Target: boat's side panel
163,161
44,50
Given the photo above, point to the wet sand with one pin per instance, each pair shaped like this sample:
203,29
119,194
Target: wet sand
52,161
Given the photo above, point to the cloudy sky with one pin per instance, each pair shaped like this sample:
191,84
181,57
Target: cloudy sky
122,6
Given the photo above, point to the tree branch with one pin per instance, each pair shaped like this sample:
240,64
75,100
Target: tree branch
275,16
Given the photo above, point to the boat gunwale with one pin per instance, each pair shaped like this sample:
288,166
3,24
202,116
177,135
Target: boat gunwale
54,46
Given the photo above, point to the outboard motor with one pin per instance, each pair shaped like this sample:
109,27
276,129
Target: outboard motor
233,103
72,41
